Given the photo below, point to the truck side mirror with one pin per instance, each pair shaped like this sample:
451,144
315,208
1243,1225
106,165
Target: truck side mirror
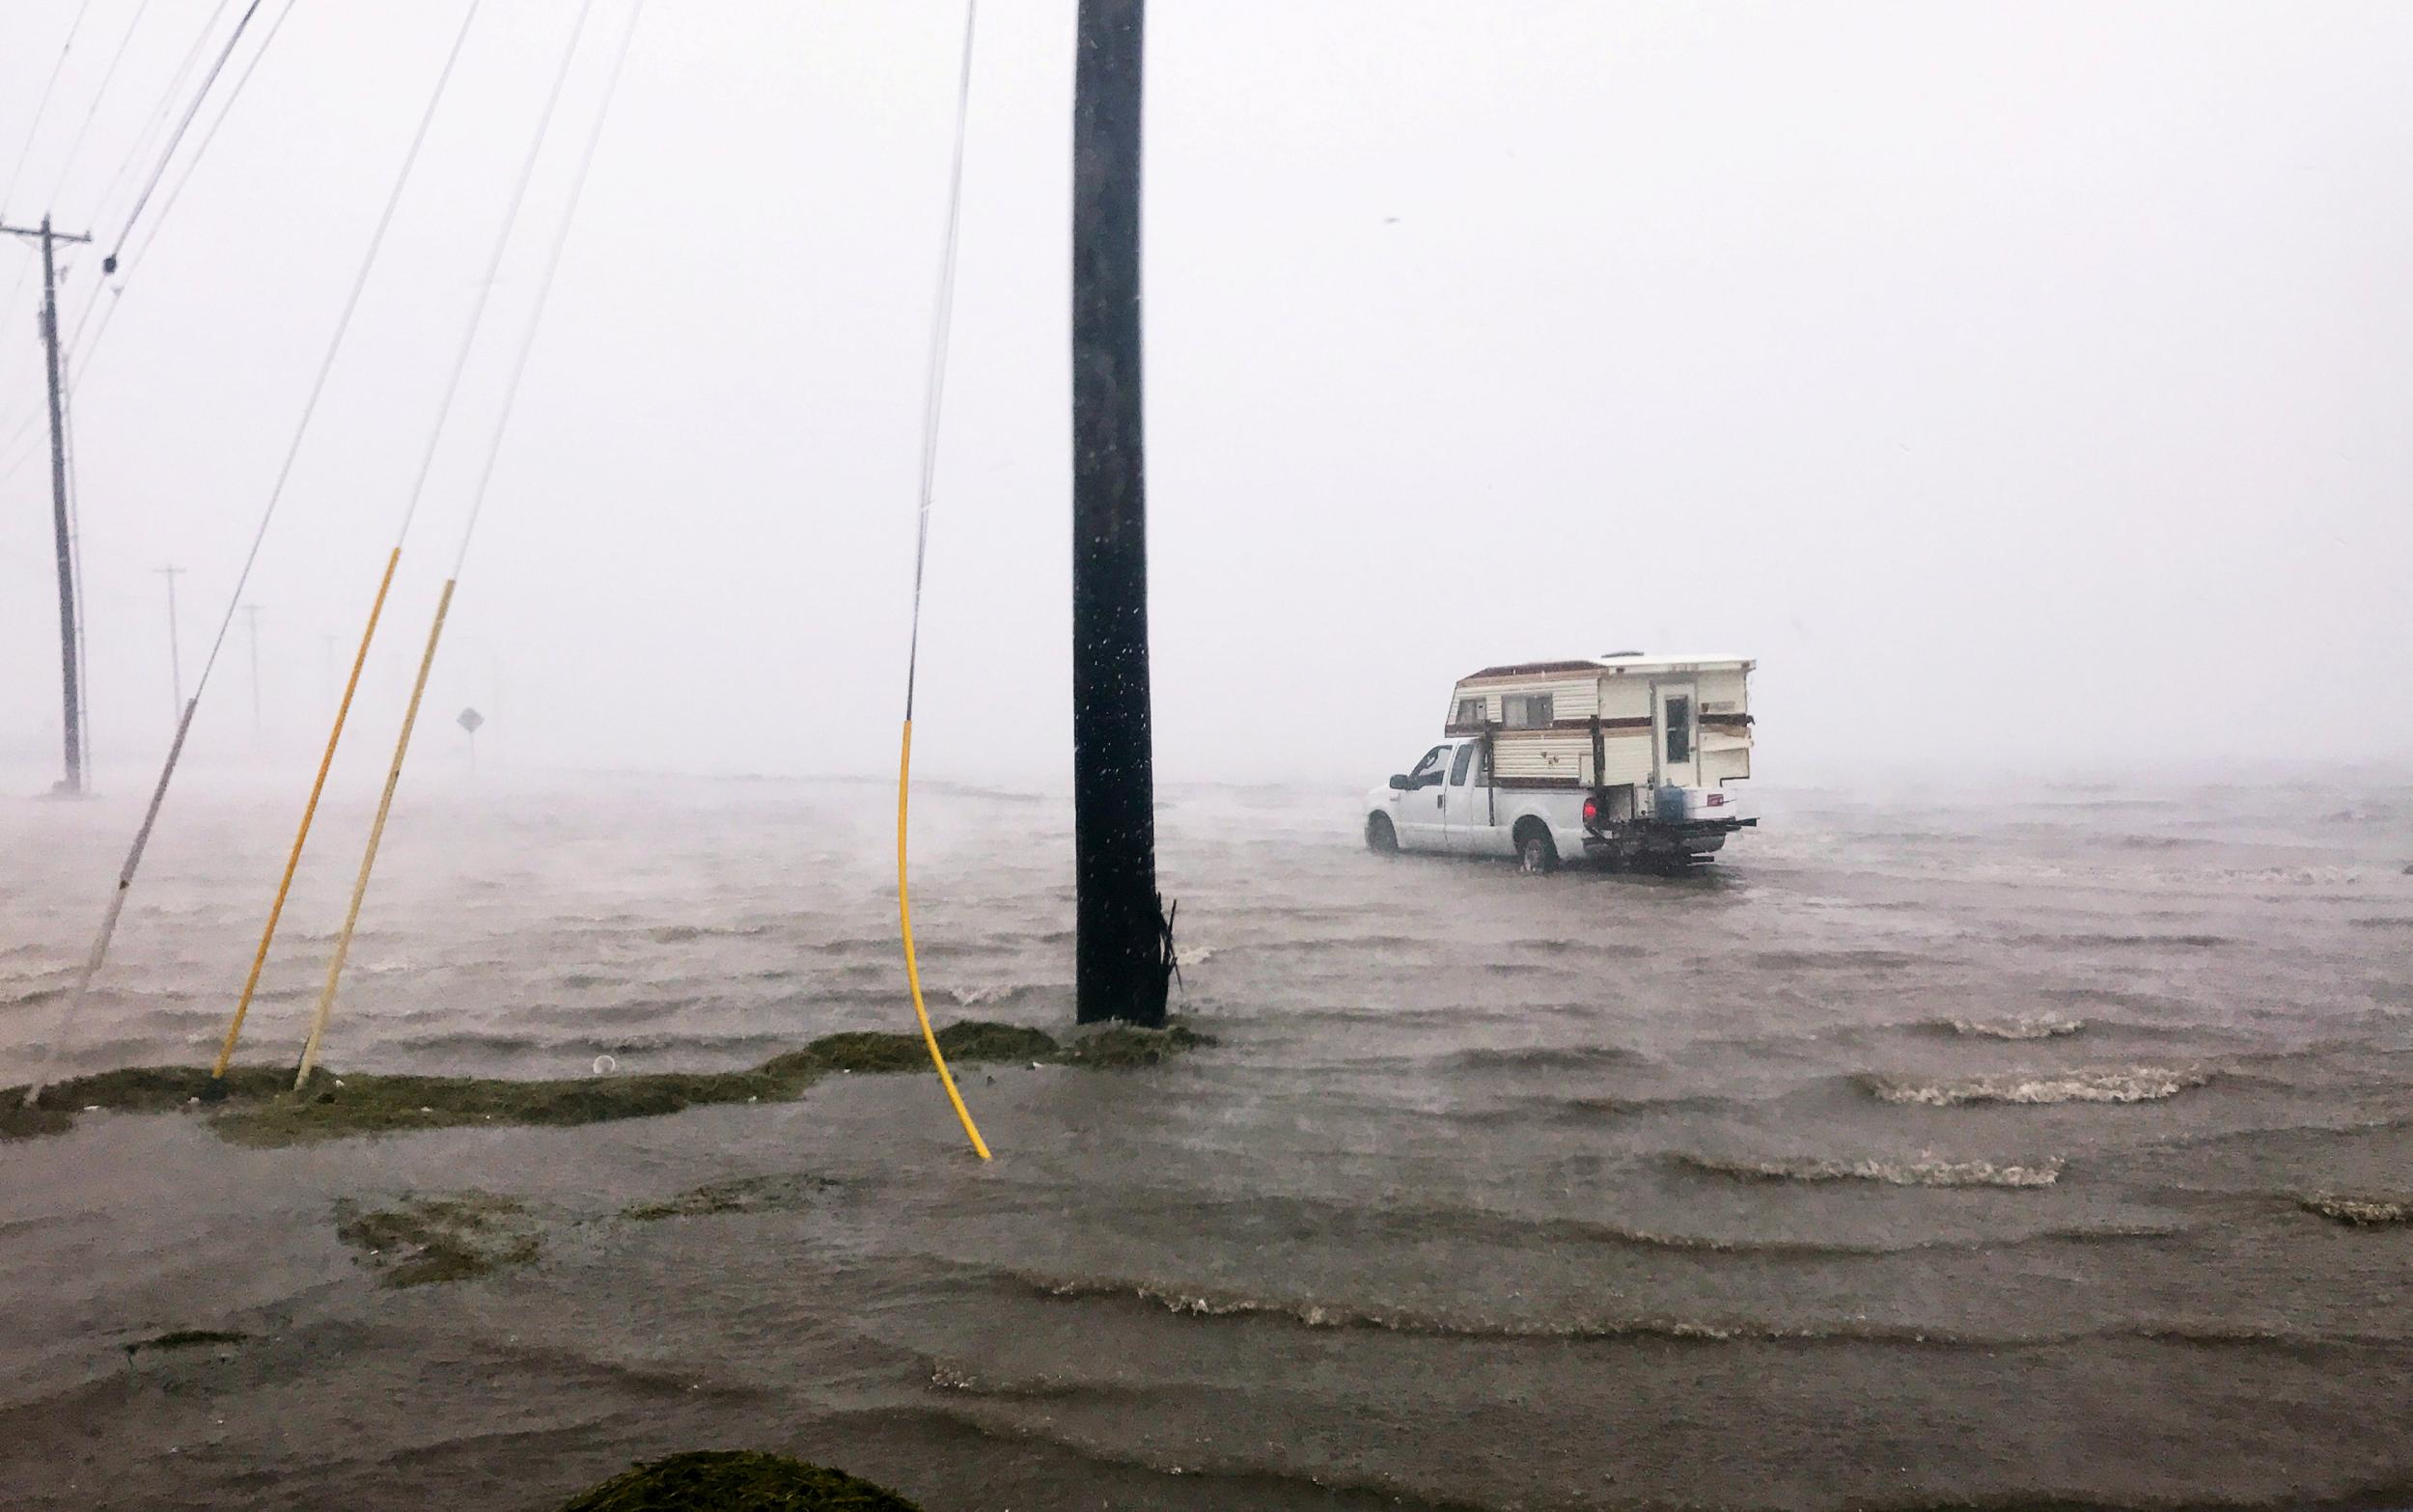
1399,781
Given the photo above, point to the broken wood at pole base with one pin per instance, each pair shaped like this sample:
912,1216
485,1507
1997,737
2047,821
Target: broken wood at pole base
1125,954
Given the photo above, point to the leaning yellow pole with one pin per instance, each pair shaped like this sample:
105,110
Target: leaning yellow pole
913,971
376,833
310,811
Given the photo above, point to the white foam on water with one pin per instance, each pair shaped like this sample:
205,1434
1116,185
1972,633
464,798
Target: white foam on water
2130,1085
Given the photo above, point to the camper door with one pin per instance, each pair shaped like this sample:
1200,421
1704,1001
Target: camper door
1675,729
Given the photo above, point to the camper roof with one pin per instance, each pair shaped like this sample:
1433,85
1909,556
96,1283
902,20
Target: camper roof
1622,661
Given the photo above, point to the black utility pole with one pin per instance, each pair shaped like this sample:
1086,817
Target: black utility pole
1125,941
70,614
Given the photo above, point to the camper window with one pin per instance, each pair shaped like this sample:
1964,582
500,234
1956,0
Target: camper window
1528,710
1470,711
1678,727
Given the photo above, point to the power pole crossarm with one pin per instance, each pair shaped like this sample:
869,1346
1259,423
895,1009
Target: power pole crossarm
71,612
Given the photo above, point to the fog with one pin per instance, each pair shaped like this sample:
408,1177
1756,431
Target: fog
2025,387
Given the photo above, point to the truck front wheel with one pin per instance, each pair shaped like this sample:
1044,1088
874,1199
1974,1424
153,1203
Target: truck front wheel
1535,851
1380,838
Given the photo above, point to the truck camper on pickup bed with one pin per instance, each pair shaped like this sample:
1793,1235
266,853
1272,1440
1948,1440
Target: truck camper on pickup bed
1622,758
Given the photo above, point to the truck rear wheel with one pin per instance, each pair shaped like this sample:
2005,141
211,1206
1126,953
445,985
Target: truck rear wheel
1535,851
1380,838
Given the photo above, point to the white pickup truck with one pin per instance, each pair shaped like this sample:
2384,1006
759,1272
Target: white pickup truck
1621,759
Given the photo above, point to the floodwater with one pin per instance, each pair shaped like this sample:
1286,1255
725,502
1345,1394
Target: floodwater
1929,1153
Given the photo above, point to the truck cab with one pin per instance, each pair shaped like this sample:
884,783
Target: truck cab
1447,803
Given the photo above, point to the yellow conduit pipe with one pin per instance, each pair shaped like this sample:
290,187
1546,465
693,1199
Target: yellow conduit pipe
310,811
913,971
376,833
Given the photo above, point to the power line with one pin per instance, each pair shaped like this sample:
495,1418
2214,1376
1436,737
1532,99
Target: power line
942,320
377,606
76,147
32,133
73,999
176,138
342,325
99,92
942,317
81,351
192,164
444,599
175,658
544,280
494,265
160,112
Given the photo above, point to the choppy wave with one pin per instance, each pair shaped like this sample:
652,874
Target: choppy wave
1586,1110
995,993
1924,1171
2141,941
1544,1057
1188,1302
2124,1084
2018,1025
1383,1229
681,934
1199,1302
681,1048
1832,960
1566,947
1363,942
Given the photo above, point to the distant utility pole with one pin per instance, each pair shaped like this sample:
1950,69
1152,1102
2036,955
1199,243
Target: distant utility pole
251,615
175,664
71,612
1123,944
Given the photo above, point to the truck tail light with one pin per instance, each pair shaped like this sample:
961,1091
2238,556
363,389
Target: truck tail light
1717,799
1592,811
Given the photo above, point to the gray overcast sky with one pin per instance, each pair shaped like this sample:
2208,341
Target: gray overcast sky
2027,386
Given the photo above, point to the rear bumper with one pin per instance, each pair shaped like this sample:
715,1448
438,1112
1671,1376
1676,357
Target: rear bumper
1654,838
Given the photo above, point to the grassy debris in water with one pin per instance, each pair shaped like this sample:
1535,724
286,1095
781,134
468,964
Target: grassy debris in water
20,1122
2357,1212
728,1480
132,1089
972,1042
1123,1046
744,1194
426,1240
256,1105
332,1107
